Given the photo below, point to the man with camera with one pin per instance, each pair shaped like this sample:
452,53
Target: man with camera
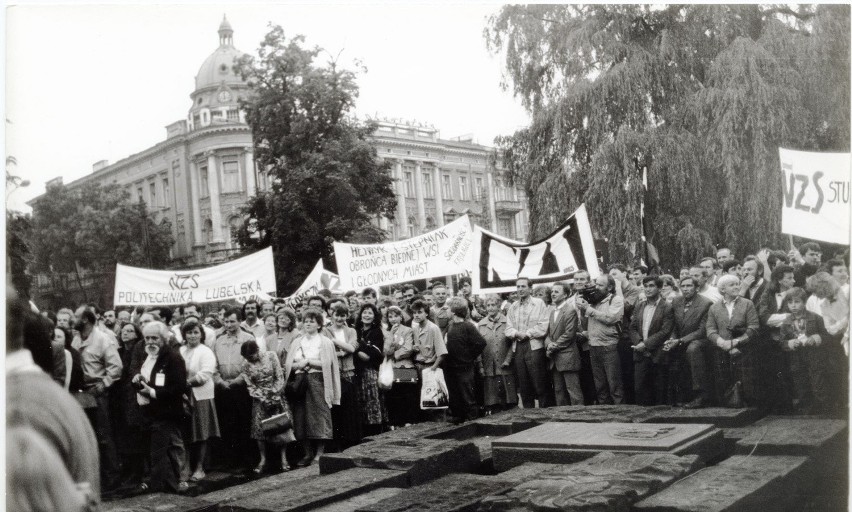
604,309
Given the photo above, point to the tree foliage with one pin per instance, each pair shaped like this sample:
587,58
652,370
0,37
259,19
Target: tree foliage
18,251
699,96
94,227
328,184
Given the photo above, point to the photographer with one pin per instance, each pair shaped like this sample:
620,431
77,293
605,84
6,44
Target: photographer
603,306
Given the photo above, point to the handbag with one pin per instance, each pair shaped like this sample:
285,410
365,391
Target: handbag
406,375
276,424
297,385
188,402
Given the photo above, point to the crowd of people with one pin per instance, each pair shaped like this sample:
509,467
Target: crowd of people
172,391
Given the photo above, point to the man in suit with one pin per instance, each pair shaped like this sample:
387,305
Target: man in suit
650,327
561,348
688,344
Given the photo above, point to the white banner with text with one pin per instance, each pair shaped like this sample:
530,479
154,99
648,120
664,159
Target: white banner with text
442,252
816,190
240,278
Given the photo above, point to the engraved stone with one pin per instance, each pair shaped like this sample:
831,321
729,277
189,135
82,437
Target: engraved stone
571,442
777,435
737,483
448,494
607,481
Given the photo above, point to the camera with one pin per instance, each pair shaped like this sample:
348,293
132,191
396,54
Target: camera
591,294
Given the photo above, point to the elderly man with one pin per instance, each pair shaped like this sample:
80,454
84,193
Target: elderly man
688,344
700,275
101,367
526,326
604,311
233,403
160,385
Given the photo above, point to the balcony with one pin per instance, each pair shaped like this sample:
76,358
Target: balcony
508,205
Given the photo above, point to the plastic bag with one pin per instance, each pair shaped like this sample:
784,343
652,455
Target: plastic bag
433,393
386,374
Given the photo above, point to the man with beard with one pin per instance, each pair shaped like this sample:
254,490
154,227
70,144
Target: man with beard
700,276
101,367
753,284
110,321
587,380
251,324
689,346
604,311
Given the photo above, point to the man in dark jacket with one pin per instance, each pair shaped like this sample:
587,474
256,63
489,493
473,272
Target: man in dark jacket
650,327
162,383
464,344
688,344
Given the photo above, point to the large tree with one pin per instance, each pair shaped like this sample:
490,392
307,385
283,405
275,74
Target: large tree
327,181
699,96
88,229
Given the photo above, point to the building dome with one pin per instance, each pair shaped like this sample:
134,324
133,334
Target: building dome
218,67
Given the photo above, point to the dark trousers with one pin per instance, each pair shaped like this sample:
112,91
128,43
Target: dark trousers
533,378
100,419
566,387
649,382
698,358
606,368
587,378
167,455
460,381
808,369
625,359
233,407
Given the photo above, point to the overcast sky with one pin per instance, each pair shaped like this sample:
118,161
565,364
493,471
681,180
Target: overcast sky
88,83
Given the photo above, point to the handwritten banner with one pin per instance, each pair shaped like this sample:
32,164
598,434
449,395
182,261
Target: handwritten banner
816,190
442,252
235,280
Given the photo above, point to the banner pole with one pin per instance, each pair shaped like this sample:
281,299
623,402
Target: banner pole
792,246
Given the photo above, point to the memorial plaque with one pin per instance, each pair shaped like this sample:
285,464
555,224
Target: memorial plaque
421,459
607,481
721,417
451,493
738,483
568,442
312,493
517,420
159,502
779,435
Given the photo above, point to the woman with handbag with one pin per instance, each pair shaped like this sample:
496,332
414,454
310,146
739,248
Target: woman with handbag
265,382
368,357
346,417
402,398
315,387
200,367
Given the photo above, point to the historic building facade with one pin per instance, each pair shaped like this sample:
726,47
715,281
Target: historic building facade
204,172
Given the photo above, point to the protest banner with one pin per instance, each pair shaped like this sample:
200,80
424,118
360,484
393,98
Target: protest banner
318,279
240,278
438,253
498,261
815,195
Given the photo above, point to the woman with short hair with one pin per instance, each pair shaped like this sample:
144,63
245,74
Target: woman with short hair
670,289
200,367
287,332
269,340
313,355
402,399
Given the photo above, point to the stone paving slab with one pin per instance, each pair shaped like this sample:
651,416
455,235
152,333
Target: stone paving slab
159,502
517,420
784,435
721,417
452,493
362,500
421,459
312,493
607,481
740,483
566,442
269,483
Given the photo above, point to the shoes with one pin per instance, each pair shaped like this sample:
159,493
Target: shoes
183,487
698,403
304,463
198,476
142,488
259,469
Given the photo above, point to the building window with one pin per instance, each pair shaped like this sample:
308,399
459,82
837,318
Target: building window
446,187
233,114
506,227
430,223
428,190
464,194
480,189
233,228
207,230
152,190
166,193
409,184
139,197
411,227
230,176
204,186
